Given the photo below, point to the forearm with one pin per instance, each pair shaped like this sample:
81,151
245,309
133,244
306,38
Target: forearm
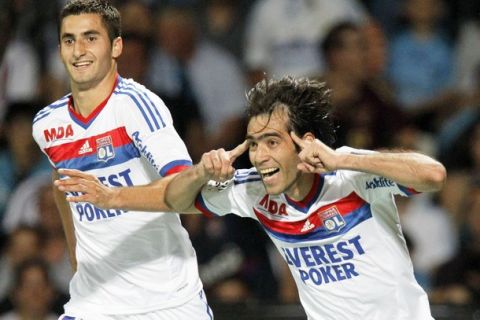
149,197
409,169
67,223
183,189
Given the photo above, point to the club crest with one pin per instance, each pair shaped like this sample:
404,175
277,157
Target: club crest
105,150
332,219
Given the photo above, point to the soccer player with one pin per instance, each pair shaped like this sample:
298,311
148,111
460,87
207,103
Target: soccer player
331,213
129,265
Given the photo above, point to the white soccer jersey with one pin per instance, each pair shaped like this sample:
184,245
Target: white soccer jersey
343,242
128,262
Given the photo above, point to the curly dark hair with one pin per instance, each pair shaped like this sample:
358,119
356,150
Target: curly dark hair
307,103
110,15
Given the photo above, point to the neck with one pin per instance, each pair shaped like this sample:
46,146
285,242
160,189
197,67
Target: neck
301,186
87,98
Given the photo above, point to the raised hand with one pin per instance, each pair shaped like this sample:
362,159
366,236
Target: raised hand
88,187
217,164
315,155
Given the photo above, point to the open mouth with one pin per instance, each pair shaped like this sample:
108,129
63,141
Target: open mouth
268,172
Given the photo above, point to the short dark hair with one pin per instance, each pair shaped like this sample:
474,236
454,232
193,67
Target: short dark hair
307,103
110,15
334,38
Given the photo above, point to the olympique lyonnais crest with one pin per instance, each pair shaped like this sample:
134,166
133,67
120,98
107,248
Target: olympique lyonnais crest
105,150
332,219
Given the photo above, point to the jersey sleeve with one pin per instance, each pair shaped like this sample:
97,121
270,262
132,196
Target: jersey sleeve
233,196
369,186
150,125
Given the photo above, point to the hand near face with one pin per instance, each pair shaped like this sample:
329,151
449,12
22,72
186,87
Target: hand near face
315,156
88,187
217,164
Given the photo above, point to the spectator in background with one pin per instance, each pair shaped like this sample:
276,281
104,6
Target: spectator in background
187,64
468,60
282,36
33,294
458,280
20,158
366,117
19,64
421,64
224,24
22,244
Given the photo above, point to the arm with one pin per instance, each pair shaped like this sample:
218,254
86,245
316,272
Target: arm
410,169
67,222
150,197
214,165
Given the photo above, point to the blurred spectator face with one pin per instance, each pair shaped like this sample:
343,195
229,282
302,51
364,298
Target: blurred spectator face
22,245
475,146
220,16
49,216
176,33
136,18
474,214
351,56
134,59
19,135
33,295
376,49
423,12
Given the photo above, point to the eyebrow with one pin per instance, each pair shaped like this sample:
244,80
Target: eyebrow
84,34
263,136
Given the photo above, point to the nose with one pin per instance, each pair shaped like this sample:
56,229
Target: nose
79,48
260,154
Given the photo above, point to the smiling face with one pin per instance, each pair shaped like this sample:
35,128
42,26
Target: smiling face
273,152
86,50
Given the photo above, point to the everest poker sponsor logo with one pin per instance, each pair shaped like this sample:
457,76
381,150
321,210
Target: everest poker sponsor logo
323,264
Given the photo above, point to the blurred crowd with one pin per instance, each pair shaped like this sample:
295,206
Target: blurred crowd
404,74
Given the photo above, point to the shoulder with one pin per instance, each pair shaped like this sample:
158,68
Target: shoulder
55,107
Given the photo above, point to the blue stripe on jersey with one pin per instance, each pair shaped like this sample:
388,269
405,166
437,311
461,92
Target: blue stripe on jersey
138,106
253,179
90,162
134,90
143,93
131,89
351,220
46,111
68,318
407,191
173,164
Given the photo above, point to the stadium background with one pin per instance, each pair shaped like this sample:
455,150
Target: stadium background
407,77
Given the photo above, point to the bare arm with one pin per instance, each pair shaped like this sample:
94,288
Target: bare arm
67,222
410,169
214,165
149,197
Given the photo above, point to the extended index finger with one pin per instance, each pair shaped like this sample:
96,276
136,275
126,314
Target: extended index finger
238,150
297,140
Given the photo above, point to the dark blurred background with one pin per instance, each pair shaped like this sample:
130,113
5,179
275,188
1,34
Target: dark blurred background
404,74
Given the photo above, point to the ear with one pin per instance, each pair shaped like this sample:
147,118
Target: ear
308,136
117,47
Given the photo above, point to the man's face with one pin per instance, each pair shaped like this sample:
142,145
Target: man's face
273,152
86,50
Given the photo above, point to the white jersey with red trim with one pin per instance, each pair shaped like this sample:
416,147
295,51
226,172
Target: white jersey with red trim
128,262
343,243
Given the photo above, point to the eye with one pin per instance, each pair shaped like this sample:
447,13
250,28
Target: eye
68,41
252,146
91,38
272,142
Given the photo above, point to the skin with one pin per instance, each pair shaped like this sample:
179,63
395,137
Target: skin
89,57
271,148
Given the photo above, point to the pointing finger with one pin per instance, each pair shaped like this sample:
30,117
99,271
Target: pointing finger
238,150
297,140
